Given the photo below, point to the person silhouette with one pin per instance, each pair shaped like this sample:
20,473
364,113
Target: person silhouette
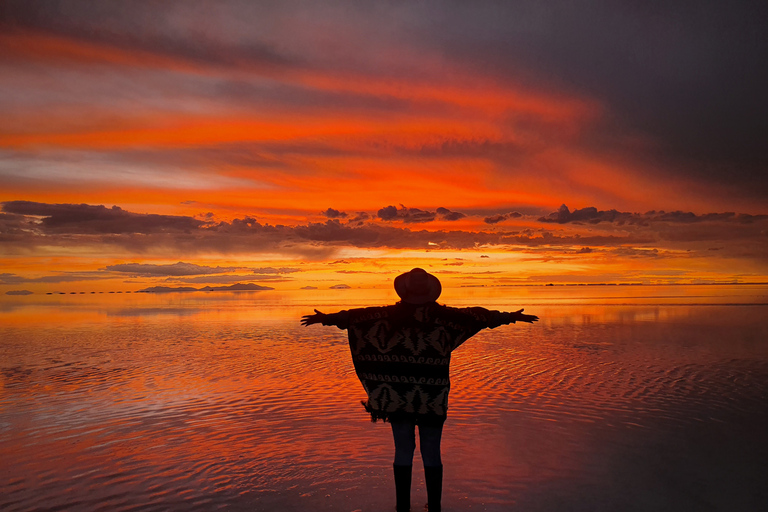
402,354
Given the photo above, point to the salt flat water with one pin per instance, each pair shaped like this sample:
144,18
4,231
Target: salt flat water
632,398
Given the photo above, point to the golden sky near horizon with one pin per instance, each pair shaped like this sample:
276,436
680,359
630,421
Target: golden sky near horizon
316,144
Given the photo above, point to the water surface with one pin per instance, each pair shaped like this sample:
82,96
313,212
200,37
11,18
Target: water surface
620,398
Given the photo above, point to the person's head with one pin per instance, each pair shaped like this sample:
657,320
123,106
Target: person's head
418,287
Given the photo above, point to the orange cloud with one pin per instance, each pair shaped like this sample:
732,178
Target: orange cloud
265,143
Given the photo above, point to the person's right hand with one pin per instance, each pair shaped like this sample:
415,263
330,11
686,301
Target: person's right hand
518,316
312,319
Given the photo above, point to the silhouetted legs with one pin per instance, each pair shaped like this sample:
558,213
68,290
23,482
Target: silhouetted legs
404,433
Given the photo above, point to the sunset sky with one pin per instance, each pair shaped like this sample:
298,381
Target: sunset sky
295,144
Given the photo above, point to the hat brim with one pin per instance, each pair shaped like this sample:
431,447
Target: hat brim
433,291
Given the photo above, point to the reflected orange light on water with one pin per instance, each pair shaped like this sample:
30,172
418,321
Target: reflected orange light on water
205,396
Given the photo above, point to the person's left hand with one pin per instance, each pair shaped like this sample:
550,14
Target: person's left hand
312,319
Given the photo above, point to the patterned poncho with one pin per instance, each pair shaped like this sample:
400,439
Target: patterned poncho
402,355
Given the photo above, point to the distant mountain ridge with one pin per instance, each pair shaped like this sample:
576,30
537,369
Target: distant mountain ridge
237,287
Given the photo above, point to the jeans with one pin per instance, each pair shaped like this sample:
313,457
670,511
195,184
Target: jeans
404,433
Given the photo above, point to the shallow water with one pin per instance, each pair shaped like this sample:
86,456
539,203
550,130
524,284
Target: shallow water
620,398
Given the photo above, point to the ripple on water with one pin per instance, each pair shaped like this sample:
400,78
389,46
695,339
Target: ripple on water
588,385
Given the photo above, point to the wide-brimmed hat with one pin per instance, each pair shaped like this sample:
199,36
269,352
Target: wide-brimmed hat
418,287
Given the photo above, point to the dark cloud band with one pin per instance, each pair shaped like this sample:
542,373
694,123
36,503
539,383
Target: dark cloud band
27,225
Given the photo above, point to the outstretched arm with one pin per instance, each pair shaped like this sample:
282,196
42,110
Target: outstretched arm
340,319
481,318
518,316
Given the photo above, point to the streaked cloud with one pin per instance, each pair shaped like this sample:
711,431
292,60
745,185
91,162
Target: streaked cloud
63,277
300,130
175,269
226,279
272,270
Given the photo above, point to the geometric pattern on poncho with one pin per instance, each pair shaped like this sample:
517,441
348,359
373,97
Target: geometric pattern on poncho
402,356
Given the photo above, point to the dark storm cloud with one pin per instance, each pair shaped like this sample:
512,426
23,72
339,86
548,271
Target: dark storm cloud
98,219
589,214
407,215
495,219
237,236
334,231
377,236
446,214
745,235
416,215
246,235
332,213
592,215
689,75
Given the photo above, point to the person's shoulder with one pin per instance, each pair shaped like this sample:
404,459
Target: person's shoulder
459,311
470,314
370,313
371,309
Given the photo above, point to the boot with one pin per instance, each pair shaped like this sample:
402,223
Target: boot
403,487
433,477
